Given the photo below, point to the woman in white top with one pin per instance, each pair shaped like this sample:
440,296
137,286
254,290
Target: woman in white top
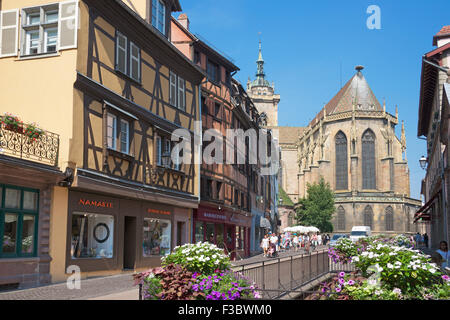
265,244
443,251
295,242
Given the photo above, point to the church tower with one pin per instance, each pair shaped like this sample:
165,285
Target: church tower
263,94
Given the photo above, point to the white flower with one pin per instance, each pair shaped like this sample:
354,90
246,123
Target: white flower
216,262
355,259
372,282
390,266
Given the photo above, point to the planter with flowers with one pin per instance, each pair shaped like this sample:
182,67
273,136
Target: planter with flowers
12,123
388,271
33,132
196,272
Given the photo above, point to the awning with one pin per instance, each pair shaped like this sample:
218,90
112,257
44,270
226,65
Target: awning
265,223
424,212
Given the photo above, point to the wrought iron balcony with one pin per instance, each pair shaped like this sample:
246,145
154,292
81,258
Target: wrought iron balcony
16,142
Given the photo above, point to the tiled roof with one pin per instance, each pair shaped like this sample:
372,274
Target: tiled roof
445,31
355,90
289,134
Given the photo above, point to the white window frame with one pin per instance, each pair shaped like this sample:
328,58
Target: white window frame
124,49
125,124
28,45
155,14
50,12
173,85
181,93
137,59
42,28
46,30
114,131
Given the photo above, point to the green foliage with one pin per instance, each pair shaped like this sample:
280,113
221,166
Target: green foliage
202,257
344,250
285,199
173,282
400,267
317,208
226,286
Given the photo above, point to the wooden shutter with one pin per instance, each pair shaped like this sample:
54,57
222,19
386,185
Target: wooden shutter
121,52
9,33
173,89
68,25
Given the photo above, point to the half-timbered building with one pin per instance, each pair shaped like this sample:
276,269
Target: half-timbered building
224,214
105,77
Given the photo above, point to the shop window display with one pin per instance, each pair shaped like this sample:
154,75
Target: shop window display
199,232
156,237
92,236
19,211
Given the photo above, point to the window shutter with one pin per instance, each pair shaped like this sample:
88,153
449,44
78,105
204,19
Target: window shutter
158,151
173,89
181,94
68,25
9,33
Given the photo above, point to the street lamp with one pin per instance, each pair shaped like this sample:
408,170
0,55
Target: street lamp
423,162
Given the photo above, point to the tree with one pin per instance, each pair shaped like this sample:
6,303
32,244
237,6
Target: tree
317,208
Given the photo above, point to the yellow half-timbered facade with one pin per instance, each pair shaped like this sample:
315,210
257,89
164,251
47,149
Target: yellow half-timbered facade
103,79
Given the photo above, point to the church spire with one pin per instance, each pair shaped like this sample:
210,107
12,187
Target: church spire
260,75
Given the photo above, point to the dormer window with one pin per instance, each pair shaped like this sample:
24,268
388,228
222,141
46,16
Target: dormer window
159,15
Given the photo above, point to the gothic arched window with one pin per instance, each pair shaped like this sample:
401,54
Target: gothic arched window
368,160
389,217
341,161
341,218
368,217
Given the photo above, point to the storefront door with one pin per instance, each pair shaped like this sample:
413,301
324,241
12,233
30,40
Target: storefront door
230,237
129,248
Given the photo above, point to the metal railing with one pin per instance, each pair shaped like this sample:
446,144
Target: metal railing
16,143
277,277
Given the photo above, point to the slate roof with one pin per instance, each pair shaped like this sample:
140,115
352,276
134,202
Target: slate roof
356,90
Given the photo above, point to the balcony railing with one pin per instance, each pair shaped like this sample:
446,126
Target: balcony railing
15,143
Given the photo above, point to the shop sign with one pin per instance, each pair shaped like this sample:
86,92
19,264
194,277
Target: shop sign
157,211
96,204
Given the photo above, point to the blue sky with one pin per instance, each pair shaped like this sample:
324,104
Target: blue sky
306,44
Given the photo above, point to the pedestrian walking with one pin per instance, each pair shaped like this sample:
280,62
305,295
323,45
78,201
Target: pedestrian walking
273,245
265,245
295,242
319,240
425,240
417,239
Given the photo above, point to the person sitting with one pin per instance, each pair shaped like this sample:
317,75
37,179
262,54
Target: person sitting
443,252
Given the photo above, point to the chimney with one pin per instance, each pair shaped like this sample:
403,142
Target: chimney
184,20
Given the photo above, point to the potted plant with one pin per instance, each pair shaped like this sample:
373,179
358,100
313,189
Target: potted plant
33,132
12,123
